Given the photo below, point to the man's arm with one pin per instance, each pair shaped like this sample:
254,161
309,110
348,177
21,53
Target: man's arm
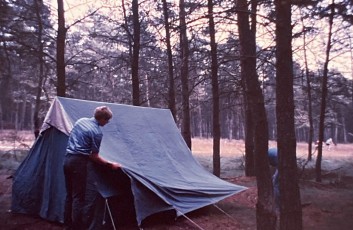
96,158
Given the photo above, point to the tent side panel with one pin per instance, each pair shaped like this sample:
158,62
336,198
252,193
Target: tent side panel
39,185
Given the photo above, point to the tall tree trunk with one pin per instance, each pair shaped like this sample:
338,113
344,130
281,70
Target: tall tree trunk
323,96
126,27
265,207
135,54
344,131
171,89
36,121
184,74
290,204
308,85
5,85
249,134
249,139
60,51
351,54
215,93
230,124
22,114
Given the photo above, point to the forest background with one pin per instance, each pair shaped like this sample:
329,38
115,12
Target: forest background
252,70
98,63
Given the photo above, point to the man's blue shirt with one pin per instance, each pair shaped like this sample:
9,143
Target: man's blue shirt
85,137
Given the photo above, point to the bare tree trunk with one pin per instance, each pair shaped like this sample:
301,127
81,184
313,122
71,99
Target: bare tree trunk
290,204
127,29
171,89
249,140
323,96
335,128
351,54
308,85
344,131
60,51
265,207
16,116
5,84
130,39
215,93
36,121
230,124
23,110
147,93
135,54
184,74
200,123
249,134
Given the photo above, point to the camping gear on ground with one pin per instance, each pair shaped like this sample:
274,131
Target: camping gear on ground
159,172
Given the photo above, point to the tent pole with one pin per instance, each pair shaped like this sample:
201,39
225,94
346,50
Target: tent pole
110,213
104,214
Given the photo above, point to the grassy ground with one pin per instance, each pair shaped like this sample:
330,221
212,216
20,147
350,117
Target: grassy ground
326,206
15,144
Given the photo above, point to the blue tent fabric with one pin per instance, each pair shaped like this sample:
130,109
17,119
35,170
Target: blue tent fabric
146,141
38,185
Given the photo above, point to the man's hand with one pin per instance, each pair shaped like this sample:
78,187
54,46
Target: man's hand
96,158
114,165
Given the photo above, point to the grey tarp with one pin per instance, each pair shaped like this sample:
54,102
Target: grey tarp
146,141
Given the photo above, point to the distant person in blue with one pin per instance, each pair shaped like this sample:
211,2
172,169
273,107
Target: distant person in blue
83,146
273,159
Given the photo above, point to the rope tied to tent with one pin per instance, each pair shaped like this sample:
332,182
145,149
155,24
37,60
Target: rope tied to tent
224,212
194,223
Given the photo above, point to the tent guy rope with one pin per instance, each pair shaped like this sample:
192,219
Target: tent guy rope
194,223
224,212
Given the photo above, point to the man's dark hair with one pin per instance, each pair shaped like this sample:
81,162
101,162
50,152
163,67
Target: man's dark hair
103,112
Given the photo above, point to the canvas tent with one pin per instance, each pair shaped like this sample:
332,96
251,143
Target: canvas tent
160,169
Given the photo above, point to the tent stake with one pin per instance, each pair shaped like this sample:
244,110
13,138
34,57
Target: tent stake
110,213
